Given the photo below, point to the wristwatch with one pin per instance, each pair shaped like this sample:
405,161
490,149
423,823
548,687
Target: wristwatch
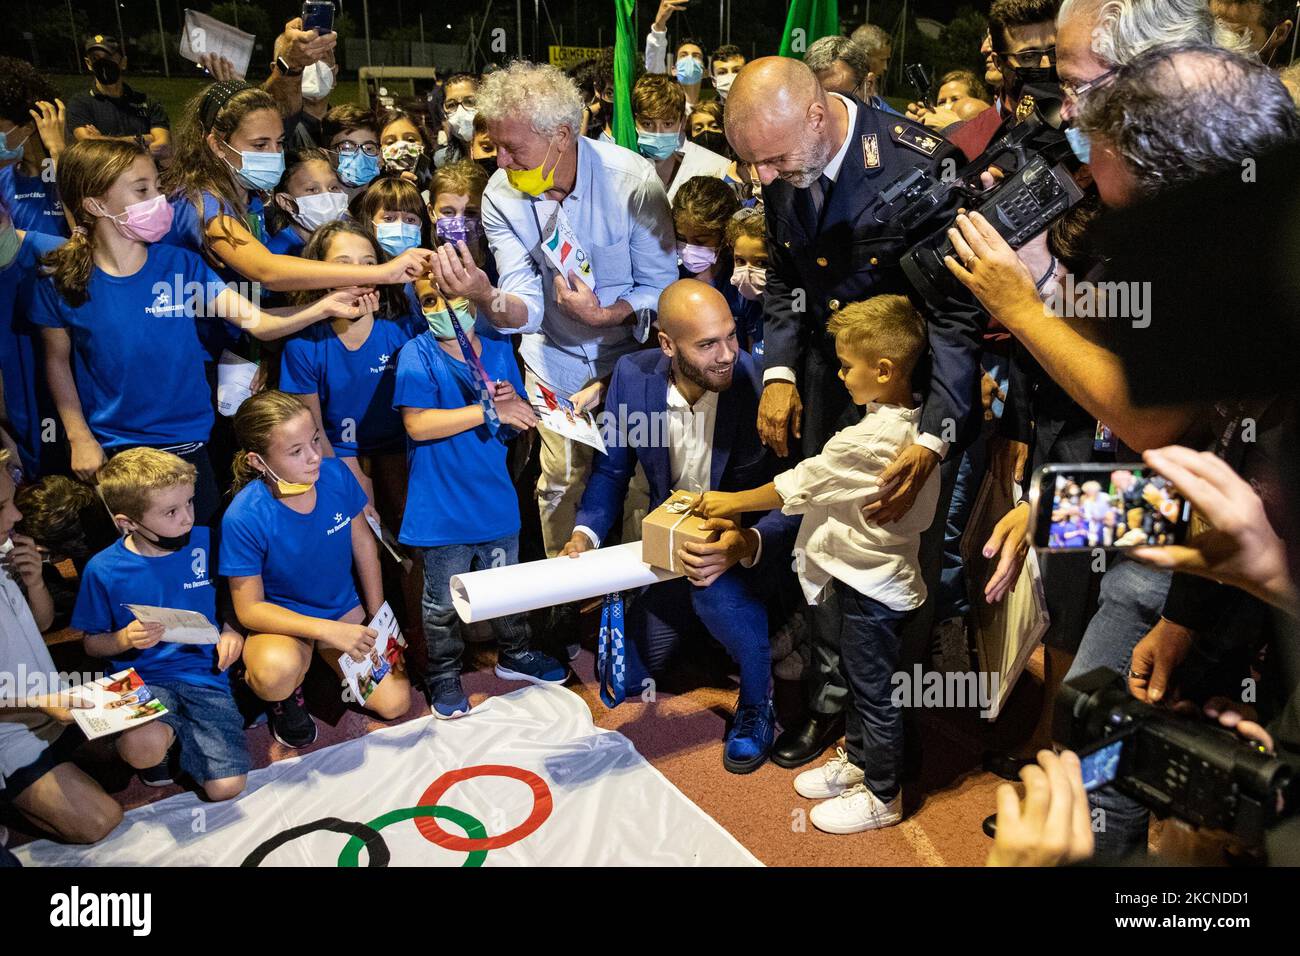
283,66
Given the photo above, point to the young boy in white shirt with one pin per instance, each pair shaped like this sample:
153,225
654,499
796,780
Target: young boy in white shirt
871,570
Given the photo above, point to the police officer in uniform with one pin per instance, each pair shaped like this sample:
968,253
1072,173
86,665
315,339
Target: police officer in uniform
824,159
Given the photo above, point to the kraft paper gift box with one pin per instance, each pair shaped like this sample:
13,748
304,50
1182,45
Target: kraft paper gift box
665,529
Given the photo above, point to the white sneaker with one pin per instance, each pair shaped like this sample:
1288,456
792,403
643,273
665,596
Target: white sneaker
855,810
829,780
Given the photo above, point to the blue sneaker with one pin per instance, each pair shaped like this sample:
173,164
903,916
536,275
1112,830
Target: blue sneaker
447,699
750,738
532,666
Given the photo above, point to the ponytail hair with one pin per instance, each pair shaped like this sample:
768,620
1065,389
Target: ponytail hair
255,421
86,169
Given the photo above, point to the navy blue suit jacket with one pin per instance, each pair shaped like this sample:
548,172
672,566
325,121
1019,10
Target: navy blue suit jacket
637,400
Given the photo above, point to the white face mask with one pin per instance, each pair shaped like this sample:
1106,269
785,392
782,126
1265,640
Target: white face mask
317,81
316,209
723,84
461,122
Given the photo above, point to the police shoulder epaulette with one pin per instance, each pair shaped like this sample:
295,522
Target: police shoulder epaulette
914,138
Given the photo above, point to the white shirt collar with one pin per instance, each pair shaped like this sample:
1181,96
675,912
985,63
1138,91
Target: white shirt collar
832,171
677,401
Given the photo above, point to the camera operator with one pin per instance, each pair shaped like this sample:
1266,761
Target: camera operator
1172,115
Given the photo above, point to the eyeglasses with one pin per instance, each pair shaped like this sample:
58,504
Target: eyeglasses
1028,58
349,148
468,102
1073,92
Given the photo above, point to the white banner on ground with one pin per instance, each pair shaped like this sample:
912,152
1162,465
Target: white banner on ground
519,588
530,767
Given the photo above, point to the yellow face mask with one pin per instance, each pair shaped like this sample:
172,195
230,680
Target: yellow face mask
532,181
286,489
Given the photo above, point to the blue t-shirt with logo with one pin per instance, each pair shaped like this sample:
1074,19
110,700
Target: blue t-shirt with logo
460,490
183,580
136,357
33,202
305,560
187,231
22,368
355,387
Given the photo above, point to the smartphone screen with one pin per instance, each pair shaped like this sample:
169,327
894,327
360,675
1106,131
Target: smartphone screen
318,15
1082,507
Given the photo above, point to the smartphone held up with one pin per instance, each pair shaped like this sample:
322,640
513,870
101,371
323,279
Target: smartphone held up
1108,506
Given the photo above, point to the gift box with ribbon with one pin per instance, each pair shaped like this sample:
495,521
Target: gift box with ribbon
665,529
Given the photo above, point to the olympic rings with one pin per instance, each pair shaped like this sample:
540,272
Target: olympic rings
542,806
377,850
475,843
351,853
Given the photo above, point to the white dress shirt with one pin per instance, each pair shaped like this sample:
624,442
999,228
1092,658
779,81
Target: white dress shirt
24,734
835,540
690,440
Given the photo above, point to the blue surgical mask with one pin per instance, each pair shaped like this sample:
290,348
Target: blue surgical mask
1079,143
358,169
689,71
9,153
396,237
259,170
658,145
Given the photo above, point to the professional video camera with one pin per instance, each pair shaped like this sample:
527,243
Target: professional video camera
1174,764
1037,188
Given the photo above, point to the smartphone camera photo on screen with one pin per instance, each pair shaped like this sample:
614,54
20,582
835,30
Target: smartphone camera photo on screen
1082,507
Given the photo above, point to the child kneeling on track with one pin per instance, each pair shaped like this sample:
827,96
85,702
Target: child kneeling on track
289,543
164,560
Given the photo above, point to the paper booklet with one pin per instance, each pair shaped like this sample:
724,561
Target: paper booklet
183,627
562,249
364,676
203,34
121,701
560,416
235,377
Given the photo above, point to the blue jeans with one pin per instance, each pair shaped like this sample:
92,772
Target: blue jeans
441,627
731,609
871,643
1132,597
209,727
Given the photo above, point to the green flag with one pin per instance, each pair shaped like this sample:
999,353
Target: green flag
808,21
624,71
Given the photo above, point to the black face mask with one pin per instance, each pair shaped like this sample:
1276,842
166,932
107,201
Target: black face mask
713,141
1032,76
489,164
173,543
106,71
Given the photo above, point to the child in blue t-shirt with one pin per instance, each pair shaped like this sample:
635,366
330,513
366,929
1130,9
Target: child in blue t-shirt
118,312
461,507
22,377
164,560
289,544
308,197
345,371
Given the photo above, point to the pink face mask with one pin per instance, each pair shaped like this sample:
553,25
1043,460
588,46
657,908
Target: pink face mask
145,221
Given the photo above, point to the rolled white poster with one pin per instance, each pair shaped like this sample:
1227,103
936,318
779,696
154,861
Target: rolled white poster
519,588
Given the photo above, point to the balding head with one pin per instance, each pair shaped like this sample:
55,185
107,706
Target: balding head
778,119
698,332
